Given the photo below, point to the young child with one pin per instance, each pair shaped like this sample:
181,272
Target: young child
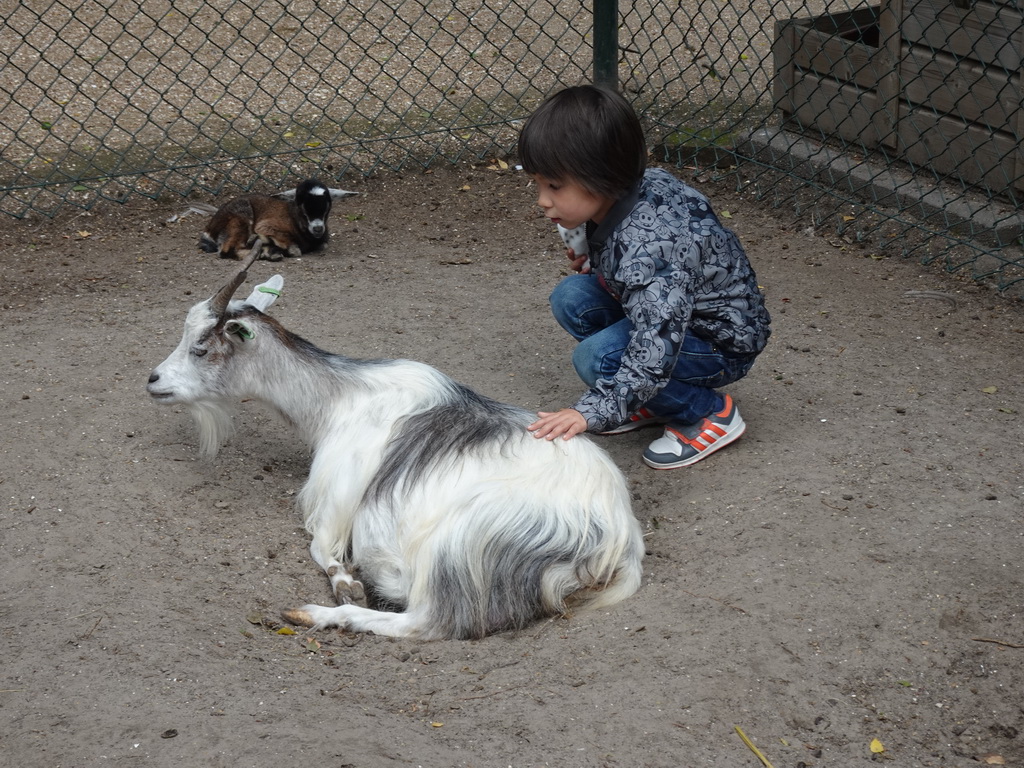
666,309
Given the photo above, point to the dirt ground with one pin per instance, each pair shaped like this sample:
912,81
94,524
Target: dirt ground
850,571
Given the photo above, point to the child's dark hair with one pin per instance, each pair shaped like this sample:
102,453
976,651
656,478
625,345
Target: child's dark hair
587,134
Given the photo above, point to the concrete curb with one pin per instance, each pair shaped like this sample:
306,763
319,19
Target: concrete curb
966,214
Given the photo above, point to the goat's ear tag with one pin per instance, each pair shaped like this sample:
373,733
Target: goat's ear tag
239,329
264,294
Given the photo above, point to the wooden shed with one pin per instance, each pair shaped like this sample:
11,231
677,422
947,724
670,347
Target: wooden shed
937,83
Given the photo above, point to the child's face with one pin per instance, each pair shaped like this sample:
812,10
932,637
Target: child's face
567,203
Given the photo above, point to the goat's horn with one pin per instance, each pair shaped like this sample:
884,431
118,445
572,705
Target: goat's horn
219,303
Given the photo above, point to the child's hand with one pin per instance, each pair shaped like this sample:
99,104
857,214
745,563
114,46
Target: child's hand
579,264
566,423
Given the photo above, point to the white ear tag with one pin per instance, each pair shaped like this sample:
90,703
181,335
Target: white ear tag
264,294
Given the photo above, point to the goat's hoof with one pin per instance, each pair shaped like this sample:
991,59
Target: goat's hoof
268,250
349,593
298,616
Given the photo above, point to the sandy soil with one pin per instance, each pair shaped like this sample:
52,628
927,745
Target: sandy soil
849,571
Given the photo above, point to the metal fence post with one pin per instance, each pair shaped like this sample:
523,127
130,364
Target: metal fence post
606,43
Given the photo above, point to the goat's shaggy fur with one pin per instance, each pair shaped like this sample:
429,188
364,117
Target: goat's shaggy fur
435,496
288,224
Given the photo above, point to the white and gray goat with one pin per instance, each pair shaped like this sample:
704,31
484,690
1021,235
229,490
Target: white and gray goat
436,497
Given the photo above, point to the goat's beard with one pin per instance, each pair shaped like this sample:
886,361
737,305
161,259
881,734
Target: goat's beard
215,425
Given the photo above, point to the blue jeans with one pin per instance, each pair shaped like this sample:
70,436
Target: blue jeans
596,319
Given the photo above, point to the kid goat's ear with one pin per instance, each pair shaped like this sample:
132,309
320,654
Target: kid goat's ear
264,294
334,192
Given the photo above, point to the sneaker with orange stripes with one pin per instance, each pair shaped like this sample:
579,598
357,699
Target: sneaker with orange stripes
640,419
686,444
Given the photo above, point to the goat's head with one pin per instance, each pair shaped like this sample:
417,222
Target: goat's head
197,372
313,202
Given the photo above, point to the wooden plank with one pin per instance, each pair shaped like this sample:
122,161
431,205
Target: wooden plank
890,105
783,47
833,108
1019,170
962,89
841,45
837,58
985,32
974,154
852,25
827,73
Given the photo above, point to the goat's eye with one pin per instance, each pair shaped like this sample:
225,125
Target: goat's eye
199,351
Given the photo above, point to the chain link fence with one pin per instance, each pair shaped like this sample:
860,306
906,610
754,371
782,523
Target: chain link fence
898,124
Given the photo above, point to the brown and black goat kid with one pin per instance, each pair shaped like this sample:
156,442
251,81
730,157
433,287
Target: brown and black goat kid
287,224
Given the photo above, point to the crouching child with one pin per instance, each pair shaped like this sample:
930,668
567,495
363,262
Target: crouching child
664,304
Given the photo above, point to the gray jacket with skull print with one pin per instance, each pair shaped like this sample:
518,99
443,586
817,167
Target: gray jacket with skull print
663,253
